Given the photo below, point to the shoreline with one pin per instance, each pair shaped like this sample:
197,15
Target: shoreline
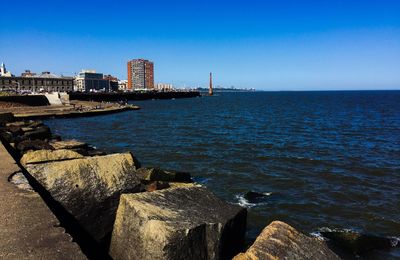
36,154
151,186
26,107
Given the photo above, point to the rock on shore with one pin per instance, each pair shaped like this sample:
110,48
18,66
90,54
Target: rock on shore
77,146
281,241
32,145
39,132
89,188
357,243
42,156
29,131
68,144
187,222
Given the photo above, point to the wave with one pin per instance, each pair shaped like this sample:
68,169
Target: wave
318,233
395,241
243,202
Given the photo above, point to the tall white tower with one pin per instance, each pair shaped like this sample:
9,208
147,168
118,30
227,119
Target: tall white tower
3,71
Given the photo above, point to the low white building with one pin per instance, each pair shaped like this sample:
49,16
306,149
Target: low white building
123,85
79,81
90,80
163,86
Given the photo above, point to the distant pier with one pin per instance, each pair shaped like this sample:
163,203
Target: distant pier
125,96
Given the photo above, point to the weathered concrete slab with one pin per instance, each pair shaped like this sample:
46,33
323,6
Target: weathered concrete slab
177,223
28,229
89,188
68,144
281,241
33,145
42,156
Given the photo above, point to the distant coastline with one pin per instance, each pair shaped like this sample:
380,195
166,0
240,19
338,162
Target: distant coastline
288,90
228,89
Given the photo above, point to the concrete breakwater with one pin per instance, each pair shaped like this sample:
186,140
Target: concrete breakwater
26,100
74,109
115,208
73,112
122,96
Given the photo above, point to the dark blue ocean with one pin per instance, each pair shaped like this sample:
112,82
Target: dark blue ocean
325,159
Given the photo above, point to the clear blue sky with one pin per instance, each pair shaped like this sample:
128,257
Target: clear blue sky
271,45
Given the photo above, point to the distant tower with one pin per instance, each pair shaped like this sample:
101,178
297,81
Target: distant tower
211,90
2,69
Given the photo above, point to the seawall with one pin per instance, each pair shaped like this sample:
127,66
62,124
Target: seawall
27,100
131,95
72,113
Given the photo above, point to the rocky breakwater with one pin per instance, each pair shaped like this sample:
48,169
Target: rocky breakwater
149,213
88,186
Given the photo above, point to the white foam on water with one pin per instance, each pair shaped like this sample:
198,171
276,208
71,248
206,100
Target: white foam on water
243,202
327,229
318,235
394,241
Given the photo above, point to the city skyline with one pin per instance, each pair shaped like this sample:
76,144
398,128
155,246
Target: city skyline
267,46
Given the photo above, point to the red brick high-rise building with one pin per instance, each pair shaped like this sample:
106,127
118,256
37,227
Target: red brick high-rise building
140,74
